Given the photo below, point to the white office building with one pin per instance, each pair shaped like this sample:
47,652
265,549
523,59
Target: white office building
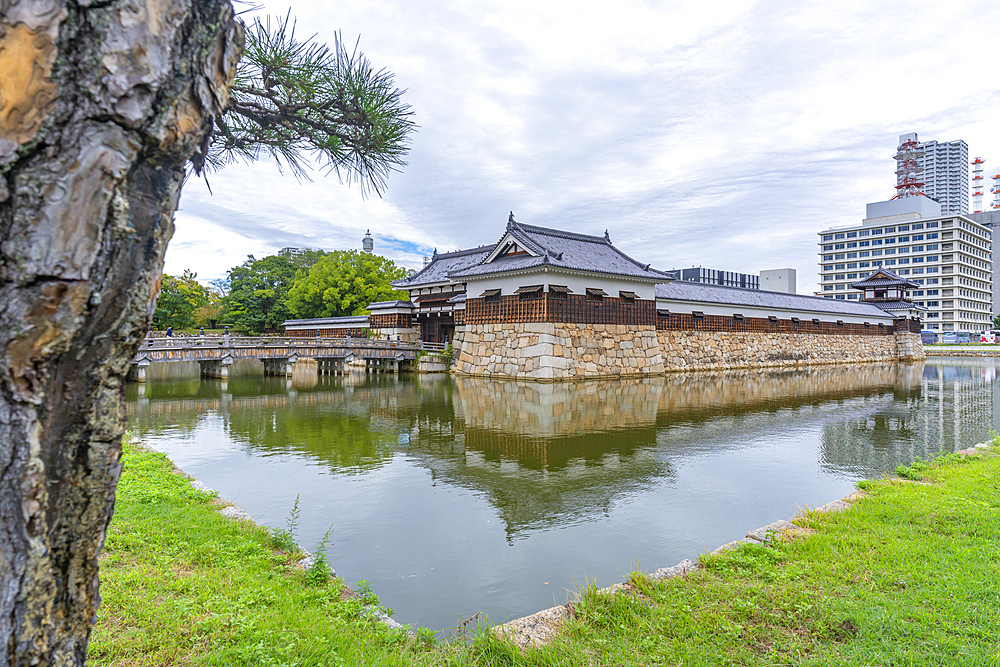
948,256
945,172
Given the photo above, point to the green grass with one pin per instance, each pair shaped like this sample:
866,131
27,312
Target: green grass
910,575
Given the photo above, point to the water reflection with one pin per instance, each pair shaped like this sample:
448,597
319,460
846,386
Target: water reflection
497,482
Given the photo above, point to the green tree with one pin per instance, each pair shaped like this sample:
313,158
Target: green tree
344,283
258,293
180,298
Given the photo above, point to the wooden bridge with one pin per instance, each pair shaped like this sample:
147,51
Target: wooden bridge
333,355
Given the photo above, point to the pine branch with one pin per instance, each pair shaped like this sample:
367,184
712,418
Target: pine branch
293,99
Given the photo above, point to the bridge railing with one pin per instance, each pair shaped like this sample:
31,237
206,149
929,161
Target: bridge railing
194,342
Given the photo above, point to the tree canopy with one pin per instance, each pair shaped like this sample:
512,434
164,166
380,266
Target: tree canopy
180,298
344,283
258,292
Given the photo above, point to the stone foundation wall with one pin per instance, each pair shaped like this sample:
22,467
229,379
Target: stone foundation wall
547,351
704,350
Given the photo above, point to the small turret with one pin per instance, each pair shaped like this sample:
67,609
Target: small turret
368,243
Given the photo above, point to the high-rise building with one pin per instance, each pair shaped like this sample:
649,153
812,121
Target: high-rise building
948,257
943,170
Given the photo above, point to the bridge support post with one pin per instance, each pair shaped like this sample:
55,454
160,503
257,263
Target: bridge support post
216,368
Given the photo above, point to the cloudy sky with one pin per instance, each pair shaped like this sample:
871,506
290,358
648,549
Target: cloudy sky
722,134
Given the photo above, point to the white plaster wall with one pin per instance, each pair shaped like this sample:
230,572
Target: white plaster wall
578,283
728,310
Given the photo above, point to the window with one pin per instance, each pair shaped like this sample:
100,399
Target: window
772,319
838,236
852,276
932,236
697,314
890,241
827,277
852,296
839,246
932,225
904,272
627,297
918,237
918,293
828,237
876,241
840,256
827,258
558,292
829,267
932,258
828,288
852,255
918,260
932,292
827,247
864,244
863,232
890,262
916,227
491,296
852,265
841,287
918,270
596,295
840,296
903,228
864,265
852,235
904,239
852,244
876,253
932,246
840,276
876,231
528,293
933,304
890,230
840,267
738,317
864,253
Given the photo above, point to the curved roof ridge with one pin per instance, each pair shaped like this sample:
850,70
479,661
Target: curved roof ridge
467,251
548,231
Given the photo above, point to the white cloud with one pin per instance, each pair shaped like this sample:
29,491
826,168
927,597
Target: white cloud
724,134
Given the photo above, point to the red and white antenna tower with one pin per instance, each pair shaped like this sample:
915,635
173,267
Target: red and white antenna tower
908,171
996,192
978,185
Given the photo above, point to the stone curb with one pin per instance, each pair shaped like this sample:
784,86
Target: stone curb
237,513
540,628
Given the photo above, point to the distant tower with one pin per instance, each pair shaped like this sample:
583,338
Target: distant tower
368,243
996,191
908,170
978,185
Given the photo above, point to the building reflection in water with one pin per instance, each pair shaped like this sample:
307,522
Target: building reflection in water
554,453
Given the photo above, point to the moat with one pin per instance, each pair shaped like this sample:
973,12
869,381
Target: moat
455,495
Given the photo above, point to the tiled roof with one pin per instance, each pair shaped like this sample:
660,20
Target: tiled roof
560,249
444,263
891,279
738,296
898,305
382,305
347,319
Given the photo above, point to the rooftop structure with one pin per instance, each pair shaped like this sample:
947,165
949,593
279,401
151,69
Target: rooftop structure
778,280
978,185
700,274
939,170
368,243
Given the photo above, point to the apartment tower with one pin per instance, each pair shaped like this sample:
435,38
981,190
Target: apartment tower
944,171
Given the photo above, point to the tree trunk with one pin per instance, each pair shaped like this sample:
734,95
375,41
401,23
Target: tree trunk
101,105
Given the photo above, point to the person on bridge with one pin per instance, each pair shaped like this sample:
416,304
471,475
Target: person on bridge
226,336
170,332
202,331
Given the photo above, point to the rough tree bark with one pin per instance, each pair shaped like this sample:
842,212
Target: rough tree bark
101,105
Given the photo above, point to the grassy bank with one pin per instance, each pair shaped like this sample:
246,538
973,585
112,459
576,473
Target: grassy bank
910,575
